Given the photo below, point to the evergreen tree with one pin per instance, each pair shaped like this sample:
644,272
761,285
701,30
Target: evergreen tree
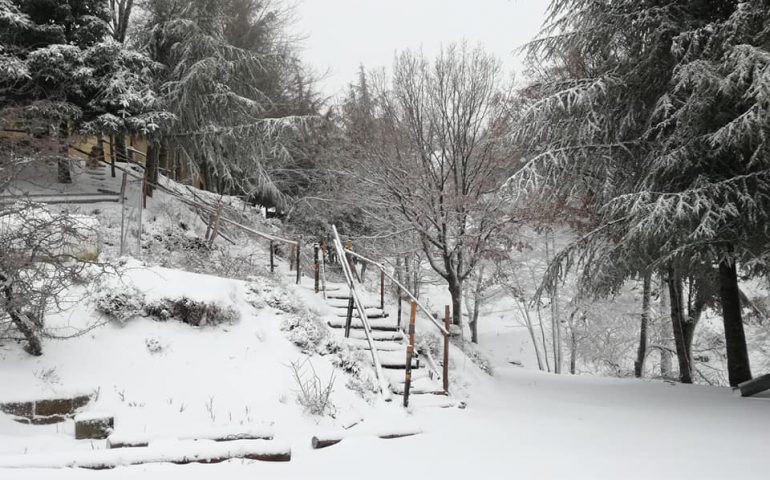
663,135
220,85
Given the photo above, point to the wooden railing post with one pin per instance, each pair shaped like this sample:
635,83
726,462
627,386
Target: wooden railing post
409,354
445,374
382,290
272,261
291,257
398,324
317,268
299,270
349,317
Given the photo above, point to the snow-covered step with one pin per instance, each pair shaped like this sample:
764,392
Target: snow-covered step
397,360
420,386
383,346
395,377
383,336
345,297
369,314
374,324
345,305
429,401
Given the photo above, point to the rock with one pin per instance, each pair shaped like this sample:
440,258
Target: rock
93,426
59,406
18,409
46,419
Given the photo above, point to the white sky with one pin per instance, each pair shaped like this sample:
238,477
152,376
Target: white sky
342,34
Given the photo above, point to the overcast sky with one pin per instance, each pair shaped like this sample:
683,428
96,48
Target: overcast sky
342,34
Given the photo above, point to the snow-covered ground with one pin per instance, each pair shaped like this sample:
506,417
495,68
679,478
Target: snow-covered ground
518,423
164,379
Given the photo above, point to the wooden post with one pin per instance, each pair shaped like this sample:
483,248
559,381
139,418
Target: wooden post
123,213
349,317
299,270
382,291
272,262
144,191
317,268
446,351
112,156
398,324
409,355
291,257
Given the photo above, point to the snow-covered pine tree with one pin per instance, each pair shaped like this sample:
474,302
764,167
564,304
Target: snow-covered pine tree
227,130
663,133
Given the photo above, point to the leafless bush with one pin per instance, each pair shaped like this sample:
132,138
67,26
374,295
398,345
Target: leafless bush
313,394
43,254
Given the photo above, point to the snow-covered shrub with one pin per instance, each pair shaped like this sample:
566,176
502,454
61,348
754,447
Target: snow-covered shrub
307,331
264,291
348,360
364,384
119,302
192,312
362,378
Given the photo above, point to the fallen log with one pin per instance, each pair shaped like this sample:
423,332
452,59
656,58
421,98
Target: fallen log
754,386
327,439
223,434
180,454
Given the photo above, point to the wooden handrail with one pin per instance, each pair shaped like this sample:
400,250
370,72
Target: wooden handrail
204,207
438,325
384,384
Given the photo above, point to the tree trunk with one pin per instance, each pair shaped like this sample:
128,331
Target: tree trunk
120,153
542,336
682,328
555,320
151,167
63,174
664,332
572,344
22,323
641,352
456,292
738,366
477,299
556,329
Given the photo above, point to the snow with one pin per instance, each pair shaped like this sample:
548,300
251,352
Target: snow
233,379
518,423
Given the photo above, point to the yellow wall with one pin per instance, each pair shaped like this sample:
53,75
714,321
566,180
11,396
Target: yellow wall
87,143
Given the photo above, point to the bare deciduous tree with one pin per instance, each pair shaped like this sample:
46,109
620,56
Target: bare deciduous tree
438,163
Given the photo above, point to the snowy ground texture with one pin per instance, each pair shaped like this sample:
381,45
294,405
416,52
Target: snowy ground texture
164,380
